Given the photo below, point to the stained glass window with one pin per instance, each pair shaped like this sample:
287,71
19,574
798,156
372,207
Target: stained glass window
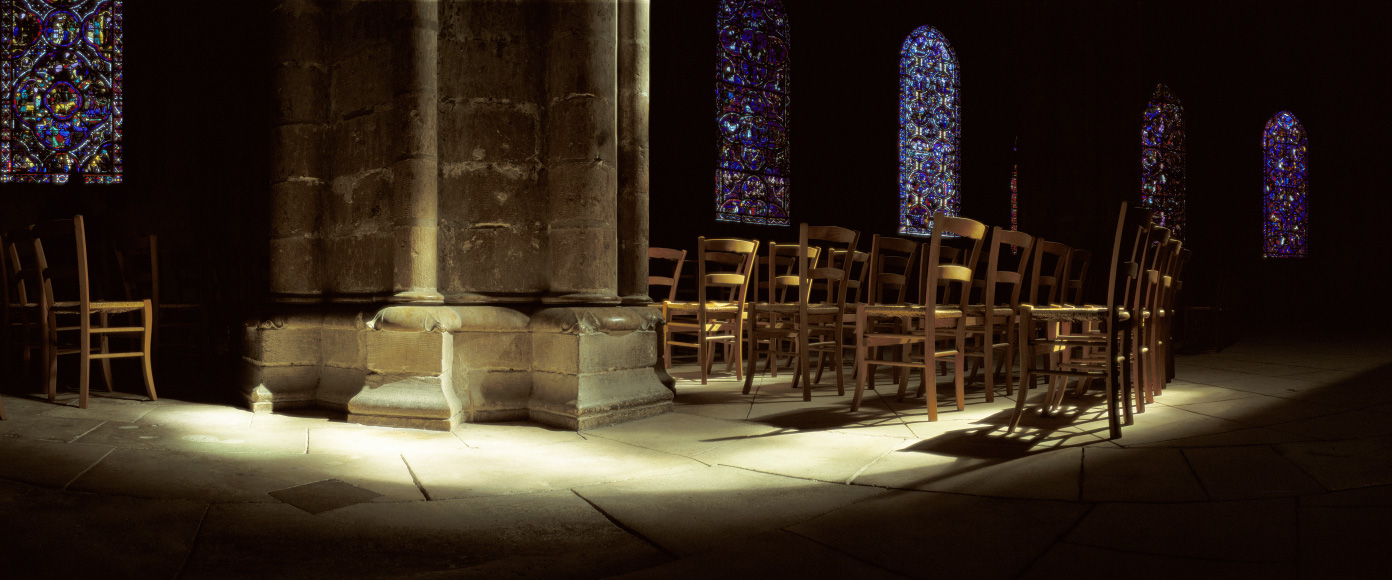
1162,160
929,157
1014,192
1283,207
751,107
62,83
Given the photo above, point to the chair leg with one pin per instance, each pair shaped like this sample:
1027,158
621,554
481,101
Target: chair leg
753,342
804,369
861,365
50,353
85,371
988,361
840,363
105,348
1026,356
148,315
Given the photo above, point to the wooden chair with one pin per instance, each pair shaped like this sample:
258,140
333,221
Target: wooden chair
1079,260
992,321
724,269
803,318
175,294
925,322
1114,322
661,256
890,263
780,267
22,318
60,248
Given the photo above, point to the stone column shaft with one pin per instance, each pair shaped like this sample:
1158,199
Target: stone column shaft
633,151
581,152
415,171
297,172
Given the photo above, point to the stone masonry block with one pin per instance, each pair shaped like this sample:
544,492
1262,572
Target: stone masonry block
297,152
493,395
506,260
415,397
303,92
338,385
359,264
282,346
488,49
343,348
508,351
295,266
362,80
413,353
284,384
295,207
597,399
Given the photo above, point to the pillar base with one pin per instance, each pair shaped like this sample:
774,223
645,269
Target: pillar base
582,298
437,367
417,297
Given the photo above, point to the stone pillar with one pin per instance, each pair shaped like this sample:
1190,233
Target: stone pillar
297,178
582,152
415,211
633,151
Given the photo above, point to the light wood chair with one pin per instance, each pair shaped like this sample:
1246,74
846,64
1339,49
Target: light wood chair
724,269
804,318
1079,260
1114,321
991,322
890,264
774,286
60,248
924,323
677,258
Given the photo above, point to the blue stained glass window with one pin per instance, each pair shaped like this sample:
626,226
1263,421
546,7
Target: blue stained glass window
929,132
1283,196
62,82
1162,160
751,107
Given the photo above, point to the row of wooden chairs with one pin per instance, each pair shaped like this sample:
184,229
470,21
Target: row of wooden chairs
49,306
966,308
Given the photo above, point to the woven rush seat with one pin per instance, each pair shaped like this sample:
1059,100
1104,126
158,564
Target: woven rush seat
1074,313
812,309
711,307
980,310
109,307
908,311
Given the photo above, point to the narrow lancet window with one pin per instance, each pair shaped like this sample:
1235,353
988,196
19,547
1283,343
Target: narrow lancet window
1162,160
1283,197
751,102
929,132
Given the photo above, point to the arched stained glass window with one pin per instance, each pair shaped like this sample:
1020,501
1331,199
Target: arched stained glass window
62,82
1162,160
751,107
1283,196
929,155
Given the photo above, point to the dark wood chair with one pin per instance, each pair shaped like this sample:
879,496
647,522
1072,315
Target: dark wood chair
60,248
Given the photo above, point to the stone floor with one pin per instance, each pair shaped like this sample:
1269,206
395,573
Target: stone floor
1270,459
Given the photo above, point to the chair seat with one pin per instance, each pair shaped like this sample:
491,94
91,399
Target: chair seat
980,309
1069,313
108,307
907,311
695,307
816,309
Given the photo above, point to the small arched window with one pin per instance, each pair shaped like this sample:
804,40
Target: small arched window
1162,160
751,108
1283,196
929,132
62,79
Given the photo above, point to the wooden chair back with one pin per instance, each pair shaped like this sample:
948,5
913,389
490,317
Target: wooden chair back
890,262
832,277
1079,260
724,269
677,258
781,265
1049,270
941,280
998,272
